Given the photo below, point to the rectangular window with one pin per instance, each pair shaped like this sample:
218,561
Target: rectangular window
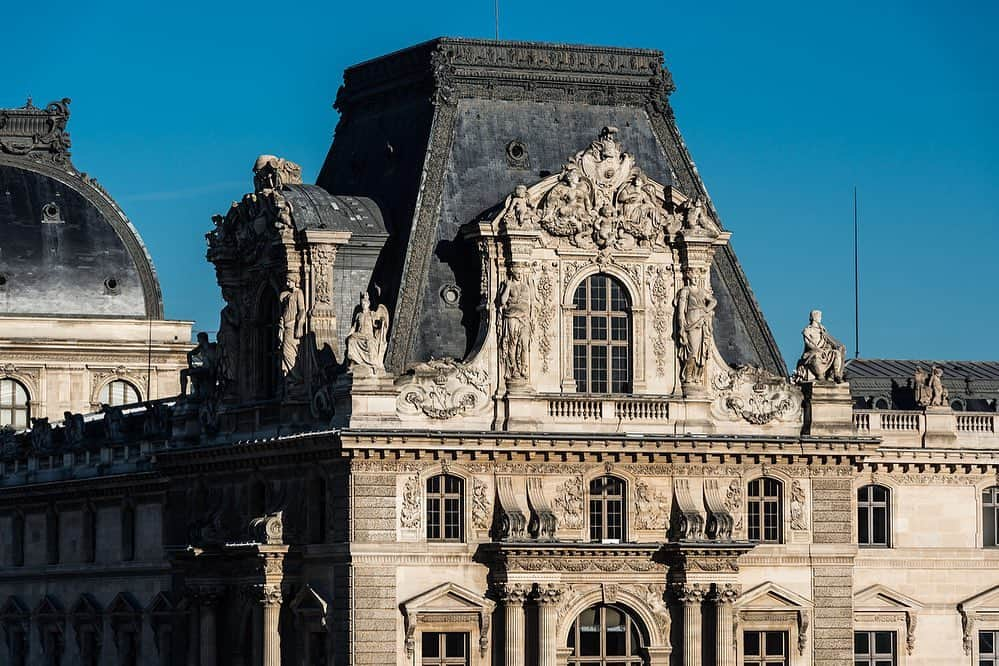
988,648
990,517
874,648
598,365
444,649
765,648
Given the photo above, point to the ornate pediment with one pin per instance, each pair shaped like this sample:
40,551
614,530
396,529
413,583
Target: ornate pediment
601,199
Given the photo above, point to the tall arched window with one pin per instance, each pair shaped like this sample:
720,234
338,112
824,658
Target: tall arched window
764,511
119,392
601,336
990,517
15,410
445,508
609,636
874,516
607,495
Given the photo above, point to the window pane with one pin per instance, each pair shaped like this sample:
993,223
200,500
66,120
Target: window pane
598,328
986,642
775,644
880,525
863,526
751,643
455,644
431,645
861,642
883,642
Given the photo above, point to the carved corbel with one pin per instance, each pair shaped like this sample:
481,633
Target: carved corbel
542,525
910,632
690,526
720,520
484,622
967,628
513,521
803,623
410,634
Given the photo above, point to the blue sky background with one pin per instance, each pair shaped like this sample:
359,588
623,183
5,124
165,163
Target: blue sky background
785,107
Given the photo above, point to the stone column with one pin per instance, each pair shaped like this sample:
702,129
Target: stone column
513,595
208,599
725,596
691,595
270,599
549,596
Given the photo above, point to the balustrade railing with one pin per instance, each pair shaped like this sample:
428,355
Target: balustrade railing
609,409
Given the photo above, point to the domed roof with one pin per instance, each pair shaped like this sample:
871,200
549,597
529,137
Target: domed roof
66,248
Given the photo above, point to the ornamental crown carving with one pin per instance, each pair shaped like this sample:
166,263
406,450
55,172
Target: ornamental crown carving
755,395
601,199
442,389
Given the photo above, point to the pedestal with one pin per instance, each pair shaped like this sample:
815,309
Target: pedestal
941,427
828,408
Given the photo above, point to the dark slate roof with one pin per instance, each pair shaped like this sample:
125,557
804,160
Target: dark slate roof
424,133
66,248
315,208
975,384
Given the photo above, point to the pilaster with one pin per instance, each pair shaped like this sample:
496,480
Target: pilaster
691,595
513,596
549,595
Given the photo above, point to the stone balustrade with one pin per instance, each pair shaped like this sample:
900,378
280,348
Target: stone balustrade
569,409
945,427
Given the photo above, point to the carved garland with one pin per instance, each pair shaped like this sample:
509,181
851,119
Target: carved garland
545,295
481,507
410,515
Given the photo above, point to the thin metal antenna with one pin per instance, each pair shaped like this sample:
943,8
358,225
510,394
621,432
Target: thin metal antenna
856,277
496,13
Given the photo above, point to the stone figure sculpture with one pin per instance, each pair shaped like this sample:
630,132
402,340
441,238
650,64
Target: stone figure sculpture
202,369
271,172
695,310
937,392
920,387
292,323
824,356
519,210
228,341
515,336
368,338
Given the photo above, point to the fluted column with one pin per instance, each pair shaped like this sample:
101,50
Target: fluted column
513,596
208,599
691,595
549,596
268,597
725,596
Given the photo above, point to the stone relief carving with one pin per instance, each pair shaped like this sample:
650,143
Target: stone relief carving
30,130
368,338
569,503
323,257
481,505
599,199
410,515
754,395
651,508
804,621
733,502
660,283
823,357
967,629
910,632
655,598
515,309
695,312
545,312
798,506
442,389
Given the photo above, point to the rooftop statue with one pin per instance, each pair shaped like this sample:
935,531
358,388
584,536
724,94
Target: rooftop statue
368,338
695,311
202,368
824,356
292,326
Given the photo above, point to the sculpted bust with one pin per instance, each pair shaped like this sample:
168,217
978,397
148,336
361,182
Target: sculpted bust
824,355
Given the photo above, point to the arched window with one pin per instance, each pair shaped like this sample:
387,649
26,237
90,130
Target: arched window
15,410
601,336
990,517
119,392
445,508
607,635
874,516
607,495
764,511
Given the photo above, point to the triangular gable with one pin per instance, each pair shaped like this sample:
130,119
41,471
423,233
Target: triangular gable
880,598
448,598
982,602
124,604
48,607
85,607
771,596
13,608
161,604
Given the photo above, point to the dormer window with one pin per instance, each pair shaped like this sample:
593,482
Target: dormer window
601,336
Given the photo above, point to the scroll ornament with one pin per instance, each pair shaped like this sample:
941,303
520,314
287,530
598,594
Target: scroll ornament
754,395
442,389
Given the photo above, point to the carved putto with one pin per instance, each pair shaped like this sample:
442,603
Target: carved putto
755,395
600,199
824,356
442,389
928,388
368,338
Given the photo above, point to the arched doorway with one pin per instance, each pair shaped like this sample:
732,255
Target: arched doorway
607,635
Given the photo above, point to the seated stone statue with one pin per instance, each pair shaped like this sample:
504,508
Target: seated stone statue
824,356
368,338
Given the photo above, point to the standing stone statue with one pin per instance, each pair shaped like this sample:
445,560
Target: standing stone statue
824,356
202,369
292,324
937,393
368,337
515,334
695,311
228,341
920,387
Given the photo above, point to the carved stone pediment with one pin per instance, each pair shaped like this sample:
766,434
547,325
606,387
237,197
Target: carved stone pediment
601,199
879,604
448,604
755,396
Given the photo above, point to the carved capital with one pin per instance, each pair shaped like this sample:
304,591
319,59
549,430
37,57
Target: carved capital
267,594
549,594
689,593
727,593
513,594
206,594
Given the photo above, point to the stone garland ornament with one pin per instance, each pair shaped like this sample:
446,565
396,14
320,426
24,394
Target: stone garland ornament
481,507
754,395
569,503
660,283
442,389
544,294
410,515
601,199
798,501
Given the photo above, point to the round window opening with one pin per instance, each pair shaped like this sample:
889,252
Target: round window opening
112,285
3,280
51,210
516,153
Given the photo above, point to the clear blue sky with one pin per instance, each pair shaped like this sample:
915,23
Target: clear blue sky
784,106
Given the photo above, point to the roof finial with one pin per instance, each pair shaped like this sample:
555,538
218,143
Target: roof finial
30,104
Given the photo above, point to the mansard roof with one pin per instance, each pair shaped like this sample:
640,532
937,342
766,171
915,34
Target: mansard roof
440,133
974,383
68,248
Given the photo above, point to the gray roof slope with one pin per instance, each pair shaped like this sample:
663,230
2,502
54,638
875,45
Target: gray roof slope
879,368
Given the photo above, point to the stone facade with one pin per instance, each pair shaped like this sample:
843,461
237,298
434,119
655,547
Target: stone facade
318,495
